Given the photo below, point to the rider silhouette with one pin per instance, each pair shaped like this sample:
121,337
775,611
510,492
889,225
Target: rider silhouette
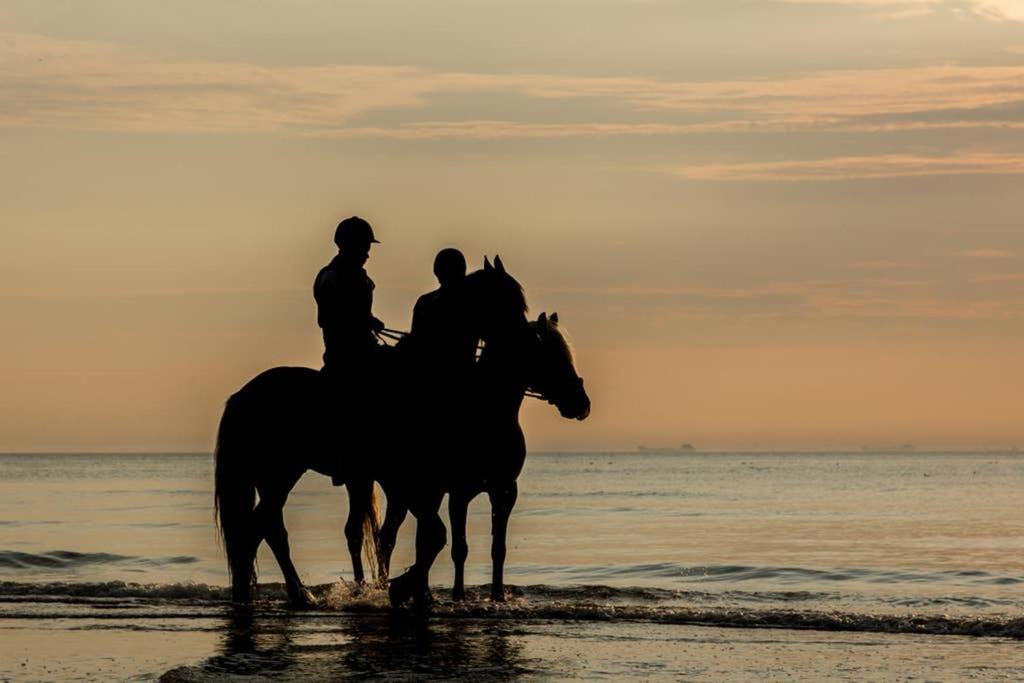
446,348
344,297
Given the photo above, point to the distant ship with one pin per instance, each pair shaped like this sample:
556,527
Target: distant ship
682,448
902,448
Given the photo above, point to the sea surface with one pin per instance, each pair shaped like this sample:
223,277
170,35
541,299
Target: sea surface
703,566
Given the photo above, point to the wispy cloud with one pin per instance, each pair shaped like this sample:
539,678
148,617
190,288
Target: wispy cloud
855,168
52,83
1010,10
988,254
857,298
884,264
998,277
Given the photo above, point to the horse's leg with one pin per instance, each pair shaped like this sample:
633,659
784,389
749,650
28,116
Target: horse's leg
503,499
359,495
396,513
431,538
243,582
272,523
458,508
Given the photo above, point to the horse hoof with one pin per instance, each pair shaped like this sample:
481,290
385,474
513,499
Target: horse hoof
400,590
497,595
302,600
423,602
458,593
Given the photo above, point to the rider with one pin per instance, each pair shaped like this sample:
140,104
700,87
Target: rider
344,299
445,346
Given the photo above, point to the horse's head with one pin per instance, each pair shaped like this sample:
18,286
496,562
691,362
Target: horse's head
496,303
497,306
553,371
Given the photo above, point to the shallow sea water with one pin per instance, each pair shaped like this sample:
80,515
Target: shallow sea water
699,566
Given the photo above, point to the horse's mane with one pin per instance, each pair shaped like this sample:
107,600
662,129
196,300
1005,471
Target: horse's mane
560,340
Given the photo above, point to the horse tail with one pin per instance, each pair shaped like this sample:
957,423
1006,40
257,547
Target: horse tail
234,498
371,538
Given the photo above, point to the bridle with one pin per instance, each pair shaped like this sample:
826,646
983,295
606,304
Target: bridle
390,337
546,393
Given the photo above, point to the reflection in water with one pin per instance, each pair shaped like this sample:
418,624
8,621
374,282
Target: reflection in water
251,648
297,646
399,644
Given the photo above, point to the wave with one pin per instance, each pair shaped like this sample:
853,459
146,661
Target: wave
69,559
785,575
59,591
528,603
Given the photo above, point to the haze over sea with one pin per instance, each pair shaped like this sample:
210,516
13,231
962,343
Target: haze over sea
621,564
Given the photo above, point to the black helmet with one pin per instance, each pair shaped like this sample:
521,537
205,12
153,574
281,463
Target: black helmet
354,229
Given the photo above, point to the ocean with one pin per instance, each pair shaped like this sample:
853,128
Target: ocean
694,566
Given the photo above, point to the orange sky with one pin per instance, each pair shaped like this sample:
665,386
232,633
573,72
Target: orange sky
795,227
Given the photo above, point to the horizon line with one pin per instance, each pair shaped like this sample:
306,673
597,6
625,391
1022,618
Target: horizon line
860,450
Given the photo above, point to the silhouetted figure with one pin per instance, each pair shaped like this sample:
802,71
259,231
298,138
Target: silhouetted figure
441,337
352,353
344,298
277,427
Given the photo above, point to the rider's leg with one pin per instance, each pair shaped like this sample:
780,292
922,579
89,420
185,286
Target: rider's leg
502,501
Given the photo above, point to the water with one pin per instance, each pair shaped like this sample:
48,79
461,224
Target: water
648,547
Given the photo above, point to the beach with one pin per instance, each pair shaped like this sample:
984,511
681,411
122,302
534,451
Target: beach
740,566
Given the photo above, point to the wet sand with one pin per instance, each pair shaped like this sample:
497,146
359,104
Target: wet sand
302,647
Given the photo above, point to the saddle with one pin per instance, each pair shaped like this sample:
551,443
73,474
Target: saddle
391,401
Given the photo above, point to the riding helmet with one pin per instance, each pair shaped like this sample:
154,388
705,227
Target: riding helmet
354,230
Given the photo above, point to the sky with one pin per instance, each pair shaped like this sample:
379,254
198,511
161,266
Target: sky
764,223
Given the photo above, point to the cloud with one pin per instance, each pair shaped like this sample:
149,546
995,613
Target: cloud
498,130
501,130
1008,10
884,264
858,298
988,254
52,83
998,277
855,168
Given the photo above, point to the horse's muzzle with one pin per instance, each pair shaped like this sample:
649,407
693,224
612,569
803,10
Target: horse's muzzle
578,409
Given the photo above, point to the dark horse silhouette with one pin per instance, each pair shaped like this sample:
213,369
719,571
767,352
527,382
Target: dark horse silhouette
283,423
553,379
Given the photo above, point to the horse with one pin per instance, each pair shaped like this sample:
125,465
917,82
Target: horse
289,410
274,430
518,357
551,377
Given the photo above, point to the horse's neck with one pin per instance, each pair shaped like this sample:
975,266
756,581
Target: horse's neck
501,374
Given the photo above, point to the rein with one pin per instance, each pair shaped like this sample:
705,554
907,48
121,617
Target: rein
388,334
393,335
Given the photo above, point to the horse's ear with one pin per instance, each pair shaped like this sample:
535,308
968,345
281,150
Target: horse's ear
498,264
487,265
554,318
543,318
